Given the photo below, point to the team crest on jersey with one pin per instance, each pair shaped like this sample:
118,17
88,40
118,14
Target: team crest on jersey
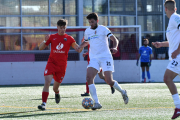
60,46
65,39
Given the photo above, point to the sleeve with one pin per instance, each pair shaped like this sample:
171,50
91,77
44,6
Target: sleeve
49,40
176,22
86,38
72,39
108,32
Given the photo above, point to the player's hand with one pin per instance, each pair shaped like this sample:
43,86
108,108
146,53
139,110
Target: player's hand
174,54
149,64
137,63
157,44
113,50
47,37
84,54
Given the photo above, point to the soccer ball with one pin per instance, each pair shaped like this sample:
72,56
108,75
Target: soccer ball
87,103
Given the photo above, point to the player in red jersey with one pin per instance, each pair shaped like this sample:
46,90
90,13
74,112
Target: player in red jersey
101,75
57,62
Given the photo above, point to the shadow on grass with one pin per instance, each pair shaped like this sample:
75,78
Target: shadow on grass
16,114
61,97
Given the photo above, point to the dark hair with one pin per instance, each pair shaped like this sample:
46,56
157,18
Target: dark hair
92,16
170,4
145,39
62,22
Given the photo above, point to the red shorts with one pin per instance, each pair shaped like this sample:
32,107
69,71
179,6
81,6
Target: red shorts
58,72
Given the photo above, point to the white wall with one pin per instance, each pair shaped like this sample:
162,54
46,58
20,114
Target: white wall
16,73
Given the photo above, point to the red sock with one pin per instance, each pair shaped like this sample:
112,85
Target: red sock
57,92
87,88
45,96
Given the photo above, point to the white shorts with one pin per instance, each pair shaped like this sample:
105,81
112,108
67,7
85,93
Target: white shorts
106,64
159,56
174,65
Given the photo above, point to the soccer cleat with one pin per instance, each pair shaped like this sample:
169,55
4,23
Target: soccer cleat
176,113
112,90
42,107
57,98
125,97
85,94
151,81
96,106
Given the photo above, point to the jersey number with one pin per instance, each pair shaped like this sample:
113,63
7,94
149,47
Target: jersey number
108,63
174,63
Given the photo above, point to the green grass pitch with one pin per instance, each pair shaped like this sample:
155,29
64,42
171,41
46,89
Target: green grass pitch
147,101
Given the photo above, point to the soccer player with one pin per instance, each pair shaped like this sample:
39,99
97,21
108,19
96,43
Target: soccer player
57,62
145,52
100,57
173,37
101,75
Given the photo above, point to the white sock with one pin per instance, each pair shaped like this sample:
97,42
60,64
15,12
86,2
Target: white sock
92,90
44,103
176,100
118,87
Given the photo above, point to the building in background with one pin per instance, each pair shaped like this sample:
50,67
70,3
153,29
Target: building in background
44,13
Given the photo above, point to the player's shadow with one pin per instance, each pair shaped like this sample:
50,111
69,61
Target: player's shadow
61,97
16,114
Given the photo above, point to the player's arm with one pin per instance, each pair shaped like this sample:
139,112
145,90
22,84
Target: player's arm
83,44
84,54
160,44
138,59
76,47
42,46
115,44
176,52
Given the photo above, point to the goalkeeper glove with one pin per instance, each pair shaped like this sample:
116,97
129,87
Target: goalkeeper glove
149,64
137,62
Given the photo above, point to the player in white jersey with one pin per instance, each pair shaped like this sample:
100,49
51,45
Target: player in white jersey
100,57
173,37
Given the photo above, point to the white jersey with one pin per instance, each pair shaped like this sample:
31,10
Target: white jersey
173,33
98,40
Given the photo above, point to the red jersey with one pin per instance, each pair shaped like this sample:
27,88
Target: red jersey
60,45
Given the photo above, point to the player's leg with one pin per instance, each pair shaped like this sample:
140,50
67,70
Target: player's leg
143,71
58,78
148,74
56,90
168,79
87,91
101,75
91,73
111,82
45,93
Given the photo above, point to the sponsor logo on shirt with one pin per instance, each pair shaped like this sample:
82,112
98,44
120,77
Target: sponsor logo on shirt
177,19
59,47
54,38
144,53
94,37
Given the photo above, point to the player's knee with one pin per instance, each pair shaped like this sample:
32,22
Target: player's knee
166,80
55,89
47,81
